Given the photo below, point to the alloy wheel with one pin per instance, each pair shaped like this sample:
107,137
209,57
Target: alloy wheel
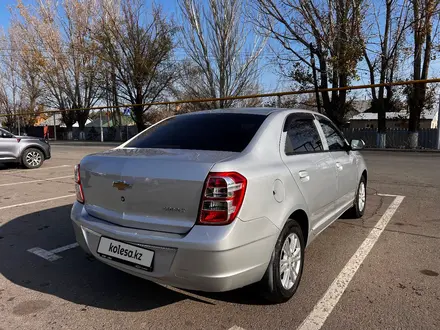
33,158
361,196
290,261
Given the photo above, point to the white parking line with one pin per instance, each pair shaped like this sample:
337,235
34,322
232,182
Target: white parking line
35,181
316,319
36,169
36,202
64,248
51,255
387,195
44,254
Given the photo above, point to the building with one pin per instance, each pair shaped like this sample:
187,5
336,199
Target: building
58,121
428,119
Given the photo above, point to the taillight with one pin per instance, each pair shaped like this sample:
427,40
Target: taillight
222,198
78,185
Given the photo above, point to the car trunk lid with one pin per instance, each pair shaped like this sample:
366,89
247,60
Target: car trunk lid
152,189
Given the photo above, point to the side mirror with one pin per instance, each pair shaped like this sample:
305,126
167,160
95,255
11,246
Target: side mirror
357,144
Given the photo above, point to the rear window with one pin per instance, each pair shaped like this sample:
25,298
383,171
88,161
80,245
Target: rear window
212,131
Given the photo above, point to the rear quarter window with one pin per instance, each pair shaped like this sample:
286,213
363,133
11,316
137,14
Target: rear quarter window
207,131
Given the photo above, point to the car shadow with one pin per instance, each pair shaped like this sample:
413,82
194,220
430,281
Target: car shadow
244,296
348,215
81,279
9,166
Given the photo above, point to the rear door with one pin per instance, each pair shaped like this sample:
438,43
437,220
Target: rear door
8,145
345,163
311,166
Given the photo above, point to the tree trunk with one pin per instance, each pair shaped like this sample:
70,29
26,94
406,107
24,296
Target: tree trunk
414,120
116,102
82,120
381,113
422,56
82,125
381,122
138,112
413,139
68,118
69,131
326,104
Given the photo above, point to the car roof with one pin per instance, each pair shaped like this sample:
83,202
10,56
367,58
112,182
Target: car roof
256,111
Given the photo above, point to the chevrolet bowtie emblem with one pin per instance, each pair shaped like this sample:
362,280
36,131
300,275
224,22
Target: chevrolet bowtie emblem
121,185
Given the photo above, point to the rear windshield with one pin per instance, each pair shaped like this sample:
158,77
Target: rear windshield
208,131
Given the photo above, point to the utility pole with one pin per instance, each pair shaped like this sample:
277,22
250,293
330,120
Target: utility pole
438,124
315,79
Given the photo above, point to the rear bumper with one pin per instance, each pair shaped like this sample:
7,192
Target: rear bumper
208,258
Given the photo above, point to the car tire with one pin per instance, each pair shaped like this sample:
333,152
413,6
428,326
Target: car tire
32,158
360,201
276,288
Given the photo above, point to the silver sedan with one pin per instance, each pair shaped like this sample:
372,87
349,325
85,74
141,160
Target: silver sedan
218,200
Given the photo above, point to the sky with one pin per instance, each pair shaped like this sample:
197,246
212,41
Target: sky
270,81
4,13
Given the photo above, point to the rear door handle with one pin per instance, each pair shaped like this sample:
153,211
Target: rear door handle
304,176
339,166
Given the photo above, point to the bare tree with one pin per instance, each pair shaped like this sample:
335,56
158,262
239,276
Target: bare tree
19,87
424,27
187,87
10,100
60,37
31,88
110,9
138,46
385,41
215,38
83,65
330,30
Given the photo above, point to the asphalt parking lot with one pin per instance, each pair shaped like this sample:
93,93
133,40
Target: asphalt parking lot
379,272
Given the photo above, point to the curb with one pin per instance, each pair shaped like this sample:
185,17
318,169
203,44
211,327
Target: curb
116,144
84,144
402,150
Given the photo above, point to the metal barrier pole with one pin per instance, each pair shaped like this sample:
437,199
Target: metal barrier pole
100,125
279,101
54,126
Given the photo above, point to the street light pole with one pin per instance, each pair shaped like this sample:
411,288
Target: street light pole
438,124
